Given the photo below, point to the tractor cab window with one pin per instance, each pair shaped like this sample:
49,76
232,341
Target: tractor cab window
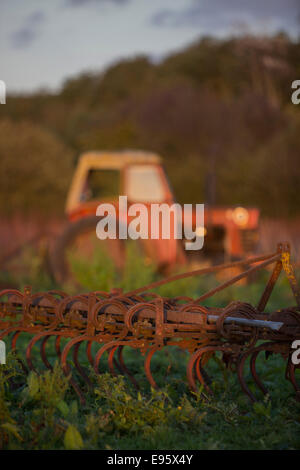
144,184
101,184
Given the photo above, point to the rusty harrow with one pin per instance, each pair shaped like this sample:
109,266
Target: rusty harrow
148,322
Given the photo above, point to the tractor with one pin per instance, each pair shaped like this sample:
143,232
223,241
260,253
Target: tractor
101,176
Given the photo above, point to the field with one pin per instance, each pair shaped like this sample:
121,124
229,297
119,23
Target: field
43,412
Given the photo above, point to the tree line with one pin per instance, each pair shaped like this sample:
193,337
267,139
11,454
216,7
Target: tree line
219,112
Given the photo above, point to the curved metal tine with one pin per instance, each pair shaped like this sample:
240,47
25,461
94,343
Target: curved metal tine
120,365
147,367
89,352
64,355
101,351
292,377
57,345
190,371
13,341
257,380
97,358
28,352
46,336
113,364
202,375
112,361
6,333
12,329
79,368
193,363
91,359
205,375
74,384
240,372
14,349
124,368
287,370
12,383
67,368
43,352
269,346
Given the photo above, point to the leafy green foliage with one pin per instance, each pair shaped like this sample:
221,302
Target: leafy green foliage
45,414
35,168
8,426
100,273
73,439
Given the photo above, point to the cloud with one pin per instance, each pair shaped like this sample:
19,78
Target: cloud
210,15
29,31
76,3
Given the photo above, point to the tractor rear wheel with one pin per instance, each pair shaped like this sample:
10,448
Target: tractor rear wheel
77,257
79,241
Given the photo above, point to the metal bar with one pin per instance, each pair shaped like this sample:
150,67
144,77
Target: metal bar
269,287
290,273
197,272
272,325
236,278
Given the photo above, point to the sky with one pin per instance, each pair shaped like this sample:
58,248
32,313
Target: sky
43,42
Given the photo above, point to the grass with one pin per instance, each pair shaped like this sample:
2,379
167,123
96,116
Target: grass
42,411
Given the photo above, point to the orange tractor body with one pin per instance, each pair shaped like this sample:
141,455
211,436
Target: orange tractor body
100,177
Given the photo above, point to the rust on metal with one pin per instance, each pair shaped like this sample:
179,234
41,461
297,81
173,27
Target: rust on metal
148,322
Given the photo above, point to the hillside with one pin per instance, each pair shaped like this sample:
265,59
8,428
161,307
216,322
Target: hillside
218,108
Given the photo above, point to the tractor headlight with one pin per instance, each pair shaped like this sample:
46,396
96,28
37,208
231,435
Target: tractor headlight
200,231
240,216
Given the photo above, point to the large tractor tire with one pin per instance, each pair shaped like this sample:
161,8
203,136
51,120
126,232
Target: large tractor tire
78,238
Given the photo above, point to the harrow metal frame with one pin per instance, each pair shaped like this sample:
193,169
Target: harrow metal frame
149,322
